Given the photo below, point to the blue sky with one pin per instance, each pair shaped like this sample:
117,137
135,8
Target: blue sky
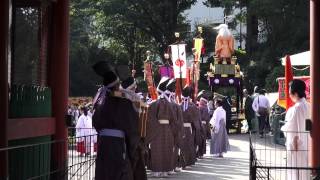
200,12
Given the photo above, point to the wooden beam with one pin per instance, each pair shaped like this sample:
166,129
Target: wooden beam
4,44
30,127
59,78
315,79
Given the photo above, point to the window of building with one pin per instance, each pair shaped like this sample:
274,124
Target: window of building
29,43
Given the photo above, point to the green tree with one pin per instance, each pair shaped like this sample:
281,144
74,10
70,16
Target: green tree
85,51
118,34
120,31
159,19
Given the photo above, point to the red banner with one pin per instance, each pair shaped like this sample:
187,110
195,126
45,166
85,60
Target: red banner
289,78
282,92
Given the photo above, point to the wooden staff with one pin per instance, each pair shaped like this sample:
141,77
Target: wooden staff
148,75
143,116
196,64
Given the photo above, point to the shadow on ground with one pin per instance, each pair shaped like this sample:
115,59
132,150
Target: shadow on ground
235,164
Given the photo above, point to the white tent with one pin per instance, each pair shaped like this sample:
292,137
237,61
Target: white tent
301,59
272,97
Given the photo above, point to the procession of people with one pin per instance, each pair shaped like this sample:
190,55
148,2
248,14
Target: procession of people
164,130
167,129
171,137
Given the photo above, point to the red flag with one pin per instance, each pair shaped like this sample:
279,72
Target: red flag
289,78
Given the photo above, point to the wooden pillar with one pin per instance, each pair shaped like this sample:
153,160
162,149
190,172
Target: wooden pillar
59,78
4,44
315,79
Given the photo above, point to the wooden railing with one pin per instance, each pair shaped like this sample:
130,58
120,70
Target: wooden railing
28,101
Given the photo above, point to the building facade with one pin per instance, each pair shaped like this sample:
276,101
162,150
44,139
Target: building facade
34,81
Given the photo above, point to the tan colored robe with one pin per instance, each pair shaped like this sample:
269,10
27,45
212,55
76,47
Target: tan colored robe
178,134
192,137
161,136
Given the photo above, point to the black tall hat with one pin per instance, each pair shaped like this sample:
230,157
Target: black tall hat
162,86
128,83
187,91
103,69
171,86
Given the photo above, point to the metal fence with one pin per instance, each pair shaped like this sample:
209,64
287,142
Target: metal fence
82,151
272,161
38,161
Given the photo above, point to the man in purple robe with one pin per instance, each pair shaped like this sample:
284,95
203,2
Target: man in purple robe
118,131
160,133
192,127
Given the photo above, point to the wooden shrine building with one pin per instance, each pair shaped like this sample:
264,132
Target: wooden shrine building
34,80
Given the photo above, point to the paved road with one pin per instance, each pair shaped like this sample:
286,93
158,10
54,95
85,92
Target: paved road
235,164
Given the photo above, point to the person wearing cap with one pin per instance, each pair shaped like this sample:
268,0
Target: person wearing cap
219,137
84,133
128,87
192,127
255,120
178,123
227,106
248,111
205,119
261,106
116,122
160,132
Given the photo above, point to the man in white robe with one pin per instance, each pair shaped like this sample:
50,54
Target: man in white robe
93,132
219,137
296,136
218,115
85,134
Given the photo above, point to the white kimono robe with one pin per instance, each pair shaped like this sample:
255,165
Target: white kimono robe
85,132
218,115
295,127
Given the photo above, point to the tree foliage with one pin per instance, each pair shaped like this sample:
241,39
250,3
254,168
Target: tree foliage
120,31
159,19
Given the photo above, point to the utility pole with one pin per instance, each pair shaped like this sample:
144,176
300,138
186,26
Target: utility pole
240,38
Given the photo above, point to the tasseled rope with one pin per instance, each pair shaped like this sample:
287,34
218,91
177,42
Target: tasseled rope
185,102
